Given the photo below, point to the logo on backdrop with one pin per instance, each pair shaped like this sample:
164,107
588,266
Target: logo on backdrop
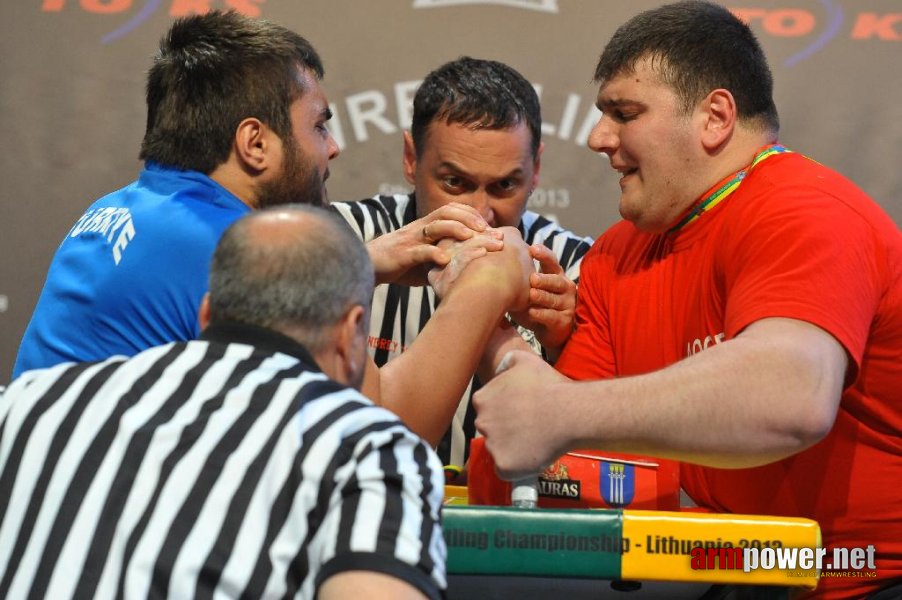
143,10
800,22
826,24
360,115
788,22
549,6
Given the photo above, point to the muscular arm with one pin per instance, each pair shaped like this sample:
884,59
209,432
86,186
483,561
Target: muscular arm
767,394
504,339
424,385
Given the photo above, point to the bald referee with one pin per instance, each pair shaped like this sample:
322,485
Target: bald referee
242,464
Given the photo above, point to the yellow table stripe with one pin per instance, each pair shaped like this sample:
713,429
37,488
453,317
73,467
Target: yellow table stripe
661,542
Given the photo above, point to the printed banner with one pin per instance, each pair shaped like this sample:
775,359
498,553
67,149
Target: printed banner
73,107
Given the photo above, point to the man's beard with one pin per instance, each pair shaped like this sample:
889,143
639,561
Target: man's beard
300,183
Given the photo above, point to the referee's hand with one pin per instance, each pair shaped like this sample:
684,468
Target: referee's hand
406,255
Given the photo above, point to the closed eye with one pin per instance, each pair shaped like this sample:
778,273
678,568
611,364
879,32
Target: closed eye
622,116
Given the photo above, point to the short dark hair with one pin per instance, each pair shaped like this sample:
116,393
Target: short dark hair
482,94
304,284
211,72
696,47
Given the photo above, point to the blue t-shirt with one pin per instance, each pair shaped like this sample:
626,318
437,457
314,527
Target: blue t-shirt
132,271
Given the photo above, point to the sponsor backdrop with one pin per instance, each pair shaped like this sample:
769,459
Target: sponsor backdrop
72,107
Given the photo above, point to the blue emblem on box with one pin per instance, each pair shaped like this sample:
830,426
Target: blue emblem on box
618,483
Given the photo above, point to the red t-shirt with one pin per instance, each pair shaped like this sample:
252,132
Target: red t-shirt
795,240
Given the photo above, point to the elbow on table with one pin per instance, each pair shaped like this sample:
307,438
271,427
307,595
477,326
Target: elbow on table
812,422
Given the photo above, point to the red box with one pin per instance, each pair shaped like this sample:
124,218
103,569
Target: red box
583,479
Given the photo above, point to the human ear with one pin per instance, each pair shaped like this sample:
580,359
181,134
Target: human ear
351,344
203,313
409,159
719,118
537,166
252,144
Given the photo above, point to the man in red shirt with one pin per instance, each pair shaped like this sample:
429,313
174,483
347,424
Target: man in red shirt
746,315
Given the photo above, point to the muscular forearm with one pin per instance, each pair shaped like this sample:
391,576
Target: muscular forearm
504,339
424,385
765,395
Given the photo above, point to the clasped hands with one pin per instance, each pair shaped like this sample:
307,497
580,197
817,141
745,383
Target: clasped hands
453,248
454,245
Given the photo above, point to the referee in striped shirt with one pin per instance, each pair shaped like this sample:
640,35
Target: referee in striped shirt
243,464
474,143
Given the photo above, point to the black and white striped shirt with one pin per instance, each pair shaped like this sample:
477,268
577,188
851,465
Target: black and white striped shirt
399,312
225,467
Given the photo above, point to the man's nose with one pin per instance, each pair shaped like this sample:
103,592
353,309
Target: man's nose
481,201
603,138
334,150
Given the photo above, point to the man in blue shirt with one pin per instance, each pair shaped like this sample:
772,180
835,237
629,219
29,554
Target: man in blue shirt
236,121
132,271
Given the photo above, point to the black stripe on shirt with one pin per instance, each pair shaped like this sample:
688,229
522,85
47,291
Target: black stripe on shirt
54,450
282,507
393,510
300,563
224,547
132,459
87,469
429,521
397,295
14,460
183,523
187,439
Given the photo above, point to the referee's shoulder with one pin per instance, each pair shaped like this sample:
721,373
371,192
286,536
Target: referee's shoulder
357,423
48,383
375,203
374,216
536,228
42,374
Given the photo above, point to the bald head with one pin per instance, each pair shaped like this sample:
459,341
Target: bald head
281,231
294,269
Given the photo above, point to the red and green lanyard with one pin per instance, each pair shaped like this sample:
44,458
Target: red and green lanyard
726,186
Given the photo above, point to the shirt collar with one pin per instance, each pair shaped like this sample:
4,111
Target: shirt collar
228,332
172,180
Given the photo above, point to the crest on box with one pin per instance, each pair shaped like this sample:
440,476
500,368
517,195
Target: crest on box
618,483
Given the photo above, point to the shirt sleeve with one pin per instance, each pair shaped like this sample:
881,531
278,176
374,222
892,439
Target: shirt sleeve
374,216
386,514
810,257
568,247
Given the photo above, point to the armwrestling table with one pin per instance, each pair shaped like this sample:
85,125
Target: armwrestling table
531,554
